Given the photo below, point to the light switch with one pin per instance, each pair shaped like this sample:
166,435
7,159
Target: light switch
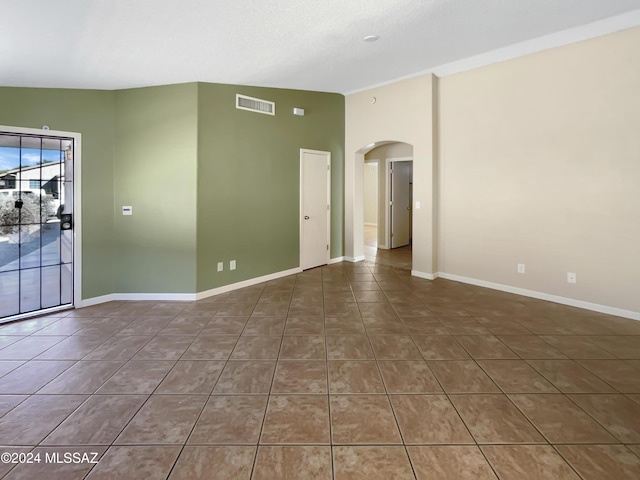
417,205
128,210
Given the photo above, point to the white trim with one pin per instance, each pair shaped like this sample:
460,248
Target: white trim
51,311
383,247
426,276
246,283
354,259
336,260
158,297
88,302
300,238
544,296
77,219
77,199
399,159
573,35
37,131
378,164
187,297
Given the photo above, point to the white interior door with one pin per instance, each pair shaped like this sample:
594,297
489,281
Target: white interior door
314,208
401,179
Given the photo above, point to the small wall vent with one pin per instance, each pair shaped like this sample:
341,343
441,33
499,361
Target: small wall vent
255,104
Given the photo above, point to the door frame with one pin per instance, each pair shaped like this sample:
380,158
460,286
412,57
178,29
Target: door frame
387,197
77,210
379,219
301,237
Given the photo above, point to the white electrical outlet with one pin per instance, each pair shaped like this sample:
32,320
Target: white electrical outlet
521,268
232,265
220,266
571,277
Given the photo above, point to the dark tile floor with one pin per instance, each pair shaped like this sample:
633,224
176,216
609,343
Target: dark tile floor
351,371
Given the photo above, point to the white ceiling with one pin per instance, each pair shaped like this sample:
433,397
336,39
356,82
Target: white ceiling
300,44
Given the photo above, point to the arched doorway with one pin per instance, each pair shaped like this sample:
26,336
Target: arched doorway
387,204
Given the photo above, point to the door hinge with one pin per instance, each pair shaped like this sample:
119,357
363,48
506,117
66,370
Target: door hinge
391,204
327,208
328,167
327,246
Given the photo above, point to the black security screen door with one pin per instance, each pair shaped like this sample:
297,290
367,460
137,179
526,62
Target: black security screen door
36,223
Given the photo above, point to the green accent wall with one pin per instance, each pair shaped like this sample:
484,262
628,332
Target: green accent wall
208,183
155,165
91,113
249,179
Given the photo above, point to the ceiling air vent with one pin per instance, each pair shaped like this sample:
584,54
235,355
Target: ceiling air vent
255,105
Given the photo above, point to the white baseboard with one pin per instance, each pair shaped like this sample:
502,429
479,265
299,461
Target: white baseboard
186,297
544,296
158,297
87,302
246,283
427,276
335,260
367,224
354,259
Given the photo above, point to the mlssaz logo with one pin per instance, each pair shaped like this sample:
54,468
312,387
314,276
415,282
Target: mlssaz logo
71,457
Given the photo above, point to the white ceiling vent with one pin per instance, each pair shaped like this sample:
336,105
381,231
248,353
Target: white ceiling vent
255,104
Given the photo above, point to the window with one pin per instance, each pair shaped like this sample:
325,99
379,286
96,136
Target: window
7,182
34,184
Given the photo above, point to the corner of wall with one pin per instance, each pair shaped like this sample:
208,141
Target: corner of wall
435,125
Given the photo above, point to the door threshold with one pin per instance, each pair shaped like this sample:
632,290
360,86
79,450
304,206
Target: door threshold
36,314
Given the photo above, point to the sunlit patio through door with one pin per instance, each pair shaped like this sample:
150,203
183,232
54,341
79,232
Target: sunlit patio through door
36,223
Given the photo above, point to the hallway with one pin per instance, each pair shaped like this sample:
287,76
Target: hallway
396,257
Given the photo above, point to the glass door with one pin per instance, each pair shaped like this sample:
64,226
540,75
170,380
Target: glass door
36,224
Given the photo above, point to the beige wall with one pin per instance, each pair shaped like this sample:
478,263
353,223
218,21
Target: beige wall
384,152
371,193
540,164
403,112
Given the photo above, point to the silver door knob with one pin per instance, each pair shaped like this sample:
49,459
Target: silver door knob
306,217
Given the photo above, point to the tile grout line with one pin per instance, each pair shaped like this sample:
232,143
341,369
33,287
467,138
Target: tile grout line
326,354
387,395
149,396
112,444
266,407
455,409
615,390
